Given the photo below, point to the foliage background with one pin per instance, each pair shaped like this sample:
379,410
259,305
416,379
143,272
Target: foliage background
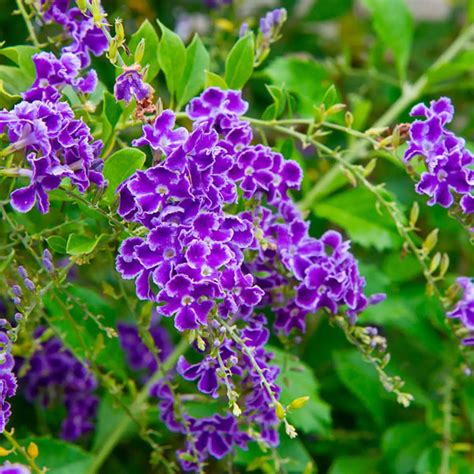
352,425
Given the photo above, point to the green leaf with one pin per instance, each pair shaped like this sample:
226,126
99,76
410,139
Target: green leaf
57,243
403,445
214,80
361,221
354,465
7,100
192,81
111,112
81,244
108,416
361,379
323,10
119,167
307,79
239,62
172,57
394,26
22,56
297,380
79,333
59,456
279,103
150,56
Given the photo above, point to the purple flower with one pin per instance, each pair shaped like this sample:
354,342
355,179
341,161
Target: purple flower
271,23
464,309
215,436
139,357
161,135
213,102
53,74
448,162
189,302
86,38
130,85
55,374
8,382
8,468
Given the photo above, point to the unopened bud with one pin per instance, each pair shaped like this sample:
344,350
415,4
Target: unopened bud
430,242
414,213
32,450
349,119
298,403
140,51
444,265
280,411
370,167
435,262
119,31
82,5
5,452
113,51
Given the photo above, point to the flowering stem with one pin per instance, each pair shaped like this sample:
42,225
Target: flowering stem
447,421
410,93
123,423
28,23
290,430
23,452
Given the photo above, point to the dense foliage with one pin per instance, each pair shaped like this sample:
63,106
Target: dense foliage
236,237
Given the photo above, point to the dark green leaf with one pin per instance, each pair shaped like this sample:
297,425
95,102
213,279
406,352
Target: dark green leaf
362,222
111,112
394,26
297,380
197,62
361,379
57,243
239,63
172,57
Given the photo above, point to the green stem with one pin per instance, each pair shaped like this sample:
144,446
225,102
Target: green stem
447,422
410,93
28,23
23,452
123,423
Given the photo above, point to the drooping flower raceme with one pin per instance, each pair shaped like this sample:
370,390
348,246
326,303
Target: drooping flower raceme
8,382
464,309
54,375
449,174
211,269
86,38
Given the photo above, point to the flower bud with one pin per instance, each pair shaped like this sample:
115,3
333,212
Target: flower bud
119,31
32,450
280,411
298,403
82,5
140,51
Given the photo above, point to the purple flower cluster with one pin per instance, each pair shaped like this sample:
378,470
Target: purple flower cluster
55,145
226,367
86,38
269,26
223,239
448,162
464,309
52,74
55,374
8,382
139,357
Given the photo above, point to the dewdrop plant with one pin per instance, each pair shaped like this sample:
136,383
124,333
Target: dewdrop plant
206,258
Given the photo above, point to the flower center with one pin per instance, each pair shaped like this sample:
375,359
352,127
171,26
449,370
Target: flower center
249,171
186,300
162,189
